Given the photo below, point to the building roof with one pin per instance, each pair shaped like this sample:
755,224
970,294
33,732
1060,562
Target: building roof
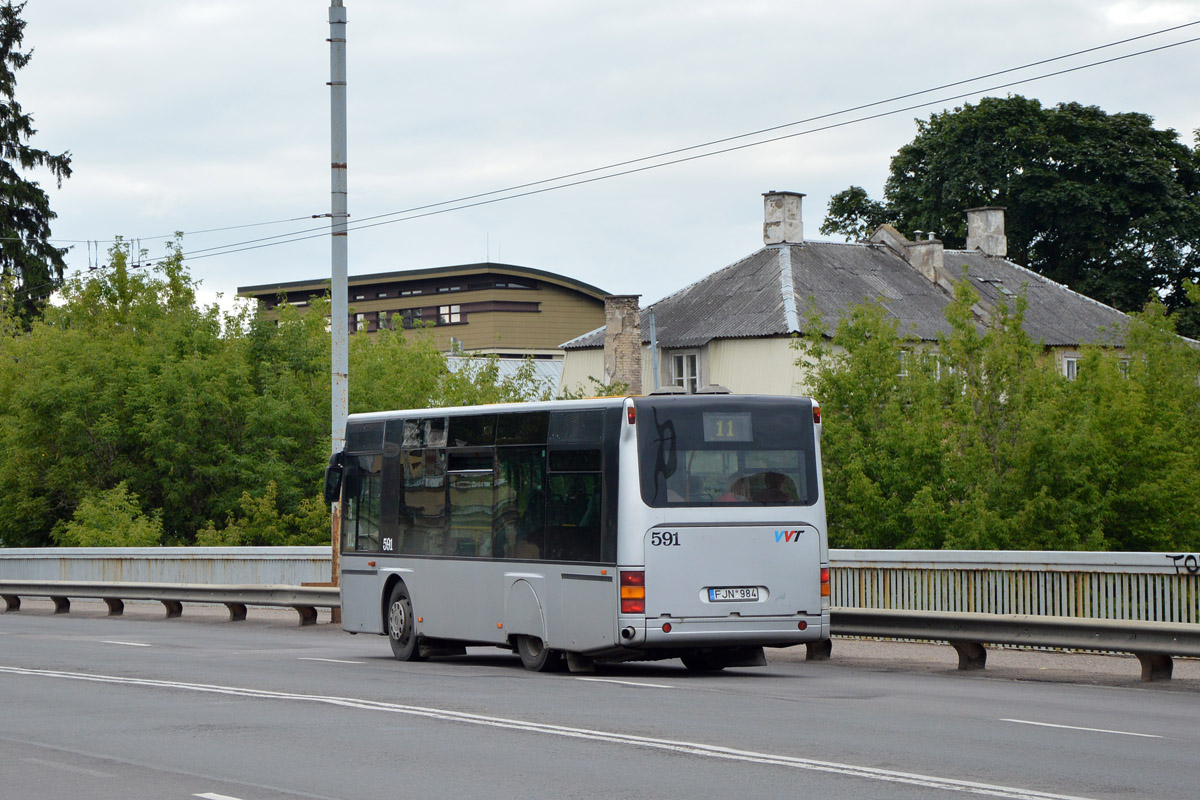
773,291
455,271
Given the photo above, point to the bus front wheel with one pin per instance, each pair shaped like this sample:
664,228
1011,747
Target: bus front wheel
536,656
401,625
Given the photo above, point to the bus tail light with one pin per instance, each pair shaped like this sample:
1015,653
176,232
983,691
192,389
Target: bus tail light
816,414
633,592
632,414
824,581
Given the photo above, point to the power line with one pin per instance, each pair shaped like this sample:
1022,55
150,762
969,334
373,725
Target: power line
713,142
513,192
363,224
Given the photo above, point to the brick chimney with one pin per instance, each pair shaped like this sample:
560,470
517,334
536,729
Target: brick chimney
782,223
985,230
927,256
623,341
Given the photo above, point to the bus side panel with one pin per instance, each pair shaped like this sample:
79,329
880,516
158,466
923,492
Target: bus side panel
457,599
361,601
589,611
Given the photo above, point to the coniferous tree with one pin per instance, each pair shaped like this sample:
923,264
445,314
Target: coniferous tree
30,266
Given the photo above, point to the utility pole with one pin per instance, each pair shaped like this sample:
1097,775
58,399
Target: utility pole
339,310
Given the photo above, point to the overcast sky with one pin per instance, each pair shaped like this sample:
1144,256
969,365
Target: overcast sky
190,115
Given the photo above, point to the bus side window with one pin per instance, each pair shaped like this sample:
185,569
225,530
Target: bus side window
573,511
361,517
471,480
519,515
423,517
573,517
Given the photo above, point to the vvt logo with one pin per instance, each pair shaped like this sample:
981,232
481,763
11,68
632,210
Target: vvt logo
787,536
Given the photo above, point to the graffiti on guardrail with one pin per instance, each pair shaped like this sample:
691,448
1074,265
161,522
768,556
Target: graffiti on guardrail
1186,562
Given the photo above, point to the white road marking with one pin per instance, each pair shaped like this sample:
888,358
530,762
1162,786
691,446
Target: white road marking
215,796
689,748
1077,728
331,660
127,644
627,683
94,773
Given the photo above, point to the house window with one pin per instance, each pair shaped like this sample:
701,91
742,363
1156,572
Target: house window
449,315
903,373
410,318
684,372
1071,367
360,322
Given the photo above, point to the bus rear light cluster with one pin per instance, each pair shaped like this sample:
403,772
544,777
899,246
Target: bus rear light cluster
633,592
824,581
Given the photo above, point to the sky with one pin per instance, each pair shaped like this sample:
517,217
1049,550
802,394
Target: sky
202,115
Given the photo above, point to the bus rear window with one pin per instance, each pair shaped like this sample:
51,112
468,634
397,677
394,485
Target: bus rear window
716,451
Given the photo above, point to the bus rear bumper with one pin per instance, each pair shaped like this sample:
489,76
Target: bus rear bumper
712,632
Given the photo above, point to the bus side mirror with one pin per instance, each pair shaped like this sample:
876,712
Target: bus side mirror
333,478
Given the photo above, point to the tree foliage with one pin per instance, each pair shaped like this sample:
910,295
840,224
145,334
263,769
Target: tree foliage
981,443
30,267
1103,203
210,421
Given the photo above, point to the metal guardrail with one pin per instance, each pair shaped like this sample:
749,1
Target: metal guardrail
1154,643
304,599
1116,602
1151,587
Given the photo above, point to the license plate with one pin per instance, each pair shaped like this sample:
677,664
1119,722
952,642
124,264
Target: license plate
732,594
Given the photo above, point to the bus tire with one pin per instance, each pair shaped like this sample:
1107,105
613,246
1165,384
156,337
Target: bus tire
401,625
701,662
536,656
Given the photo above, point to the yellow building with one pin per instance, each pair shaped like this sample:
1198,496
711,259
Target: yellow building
480,309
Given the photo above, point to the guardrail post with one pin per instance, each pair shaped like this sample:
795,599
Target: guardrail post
11,603
308,614
174,608
971,655
116,606
1155,666
237,612
62,605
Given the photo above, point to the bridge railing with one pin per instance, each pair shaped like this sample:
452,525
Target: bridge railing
1147,604
1151,587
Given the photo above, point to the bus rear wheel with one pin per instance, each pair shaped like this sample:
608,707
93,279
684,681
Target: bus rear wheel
536,656
401,625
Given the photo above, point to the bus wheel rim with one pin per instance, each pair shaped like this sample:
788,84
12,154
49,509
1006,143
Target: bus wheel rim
396,620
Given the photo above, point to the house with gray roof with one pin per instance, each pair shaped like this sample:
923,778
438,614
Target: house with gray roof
735,326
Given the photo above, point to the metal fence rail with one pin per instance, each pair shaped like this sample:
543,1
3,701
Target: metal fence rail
305,600
1151,587
1142,603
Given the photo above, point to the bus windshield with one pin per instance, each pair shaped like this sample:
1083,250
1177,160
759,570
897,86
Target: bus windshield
705,451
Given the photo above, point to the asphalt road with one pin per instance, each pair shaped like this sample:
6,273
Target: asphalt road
143,707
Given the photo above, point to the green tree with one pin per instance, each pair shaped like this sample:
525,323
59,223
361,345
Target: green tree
30,266
109,519
1103,203
206,418
978,442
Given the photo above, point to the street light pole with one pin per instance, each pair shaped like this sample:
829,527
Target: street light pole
339,311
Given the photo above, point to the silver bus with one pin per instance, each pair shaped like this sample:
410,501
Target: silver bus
613,529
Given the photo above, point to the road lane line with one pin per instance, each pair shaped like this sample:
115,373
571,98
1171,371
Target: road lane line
215,796
627,683
611,737
331,660
93,773
1078,728
127,644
